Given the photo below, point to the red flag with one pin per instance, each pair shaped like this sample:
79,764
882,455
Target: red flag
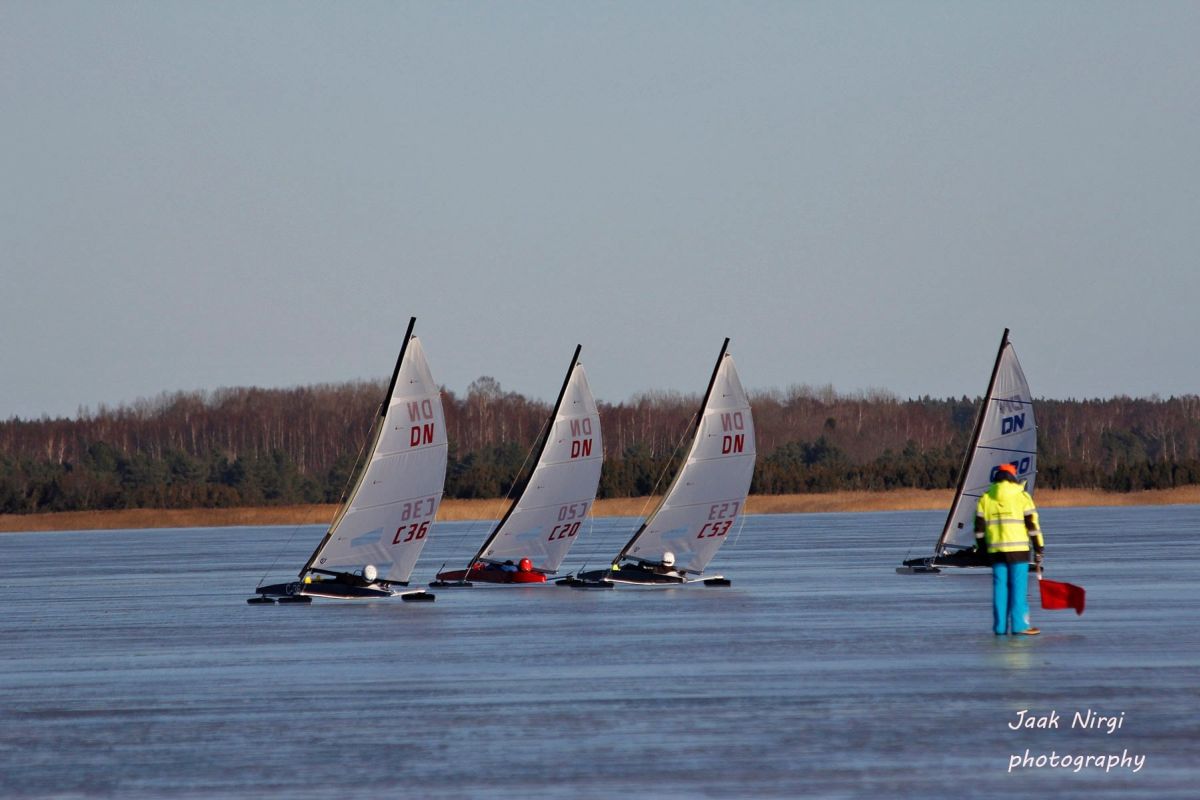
1056,595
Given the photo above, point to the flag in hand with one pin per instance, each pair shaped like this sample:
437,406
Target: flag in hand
1057,595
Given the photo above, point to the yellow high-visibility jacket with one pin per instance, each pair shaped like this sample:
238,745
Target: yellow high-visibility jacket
1008,519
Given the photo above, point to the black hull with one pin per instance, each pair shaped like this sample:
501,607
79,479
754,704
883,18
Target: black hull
580,583
958,559
332,589
632,574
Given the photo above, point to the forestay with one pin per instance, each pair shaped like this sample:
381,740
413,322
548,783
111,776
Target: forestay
387,518
709,492
546,519
1006,435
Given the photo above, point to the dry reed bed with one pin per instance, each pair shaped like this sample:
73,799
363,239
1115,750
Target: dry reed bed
898,500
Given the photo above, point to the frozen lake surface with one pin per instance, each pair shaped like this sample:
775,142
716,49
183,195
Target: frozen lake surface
132,666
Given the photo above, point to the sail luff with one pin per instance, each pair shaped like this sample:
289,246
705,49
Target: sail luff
699,420
387,397
541,451
378,428
969,456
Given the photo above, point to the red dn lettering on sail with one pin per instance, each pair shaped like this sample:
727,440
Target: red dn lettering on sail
421,432
732,442
581,437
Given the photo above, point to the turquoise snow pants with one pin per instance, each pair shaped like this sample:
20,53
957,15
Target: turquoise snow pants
1010,606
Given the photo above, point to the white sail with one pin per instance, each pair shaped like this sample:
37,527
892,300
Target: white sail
547,517
388,516
1007,435
709,492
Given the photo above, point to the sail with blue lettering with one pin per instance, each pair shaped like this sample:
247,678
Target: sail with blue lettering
1005,432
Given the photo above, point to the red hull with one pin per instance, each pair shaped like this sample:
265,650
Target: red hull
493,576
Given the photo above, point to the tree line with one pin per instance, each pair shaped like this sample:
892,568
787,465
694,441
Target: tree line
251,446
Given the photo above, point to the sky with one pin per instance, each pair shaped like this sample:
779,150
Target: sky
865,194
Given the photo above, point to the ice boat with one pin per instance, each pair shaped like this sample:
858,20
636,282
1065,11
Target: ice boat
533,537
373,543
703,503
1004,433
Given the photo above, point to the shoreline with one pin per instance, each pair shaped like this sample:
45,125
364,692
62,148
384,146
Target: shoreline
492,509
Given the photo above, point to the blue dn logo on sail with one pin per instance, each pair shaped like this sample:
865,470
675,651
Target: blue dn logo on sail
1012,424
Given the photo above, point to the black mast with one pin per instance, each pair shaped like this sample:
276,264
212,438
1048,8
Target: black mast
387,397
383,409
545,441
699,419
970,454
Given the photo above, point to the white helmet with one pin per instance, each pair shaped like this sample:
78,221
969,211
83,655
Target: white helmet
370,573
668,559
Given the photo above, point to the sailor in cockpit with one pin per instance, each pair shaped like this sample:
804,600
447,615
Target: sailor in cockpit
666,566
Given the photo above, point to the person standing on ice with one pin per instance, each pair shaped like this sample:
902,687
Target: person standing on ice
1006,520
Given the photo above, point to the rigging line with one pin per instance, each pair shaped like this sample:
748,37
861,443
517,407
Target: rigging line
474,524
916,535
663,473
279,553
591,522
593,543
736,536
341,499
357,459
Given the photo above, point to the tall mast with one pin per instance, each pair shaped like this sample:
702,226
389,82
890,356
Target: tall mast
387,397
970,454
545,441
378,426
699,421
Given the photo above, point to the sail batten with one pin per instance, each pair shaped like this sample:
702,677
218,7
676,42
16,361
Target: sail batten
396,502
